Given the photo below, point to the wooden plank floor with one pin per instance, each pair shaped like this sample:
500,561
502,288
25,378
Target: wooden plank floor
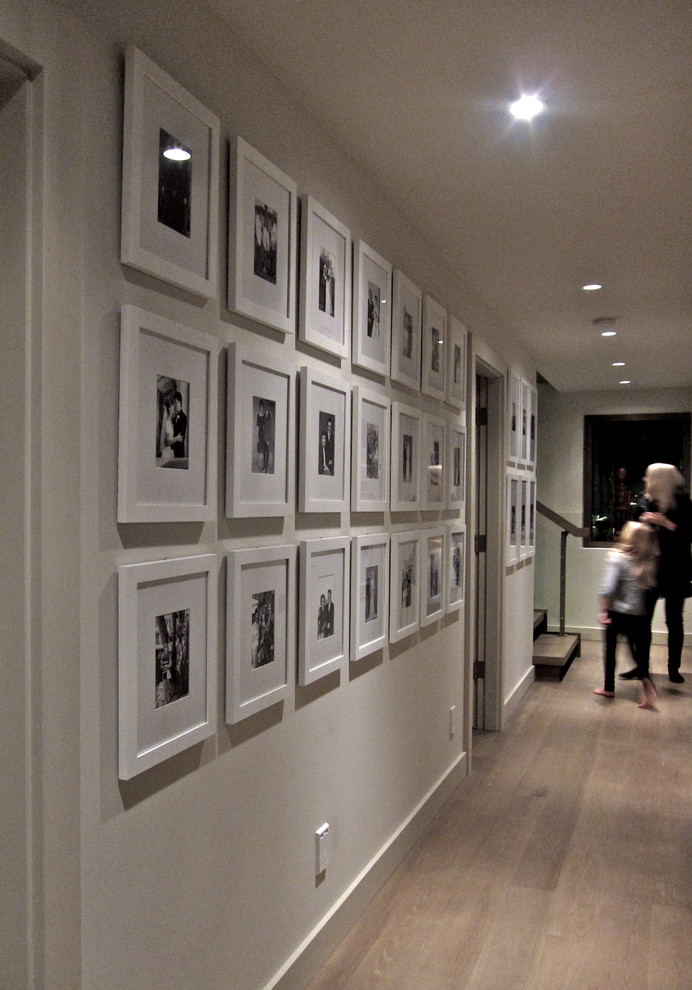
564,862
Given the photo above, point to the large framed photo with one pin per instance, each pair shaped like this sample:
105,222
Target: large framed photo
370,458
260,436
433,460
434,358
406,446
369,594
432,601
407,317
262,253
325,593
325,280
456,467
513,513
372,277
514,392
260,649
170,191
455,341
455,550
167,420
325,440
166,659
404,585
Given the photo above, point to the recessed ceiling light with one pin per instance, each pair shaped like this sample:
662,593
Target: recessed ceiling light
625,381
591,287
609,333
526,107
618,364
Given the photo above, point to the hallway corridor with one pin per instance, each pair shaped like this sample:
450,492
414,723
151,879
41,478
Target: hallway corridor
564,862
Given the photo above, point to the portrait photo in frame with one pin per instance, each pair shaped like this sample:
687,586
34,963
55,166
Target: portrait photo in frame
263,244
166,659
370,450
406,447
260,631
456,337
433,461
260,435
325,280
407,322
369,594
371,318
524,422
532,517
404,585
455,583
433,351
325,595
523,515
166,421
170,187
456,467
325,439
513,513
514,395
432,590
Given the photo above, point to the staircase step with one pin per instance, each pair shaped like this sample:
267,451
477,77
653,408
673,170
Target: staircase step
553,655
540,622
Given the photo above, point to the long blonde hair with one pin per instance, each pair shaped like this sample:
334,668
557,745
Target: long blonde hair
662,483
641,543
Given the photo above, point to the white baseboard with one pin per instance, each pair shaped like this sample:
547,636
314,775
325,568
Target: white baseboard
511,703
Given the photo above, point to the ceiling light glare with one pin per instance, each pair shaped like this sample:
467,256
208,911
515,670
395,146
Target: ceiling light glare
526,107
177,154
591,287
609,333
618,364
625,381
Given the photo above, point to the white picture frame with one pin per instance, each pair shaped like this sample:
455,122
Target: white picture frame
433,462
170,206
262,250
532,518
532,426
166,659
407,325
370,462
456,342
324,617
325,280
433,569
166,420
513,514
260,434
404,585
405,458
433,351
260,629
514,395
455,579
325,442
456,467
523,515
369,594
525,422
371,316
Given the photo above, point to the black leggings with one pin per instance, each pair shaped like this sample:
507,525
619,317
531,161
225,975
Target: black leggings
634,628
674,605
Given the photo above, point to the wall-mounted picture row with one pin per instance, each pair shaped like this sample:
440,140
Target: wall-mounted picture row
522,412
351,302
353,597
521,515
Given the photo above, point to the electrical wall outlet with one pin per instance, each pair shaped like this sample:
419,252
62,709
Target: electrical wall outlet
321,848
452,721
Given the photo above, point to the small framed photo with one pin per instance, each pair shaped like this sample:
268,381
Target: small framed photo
433,359
170,193
513,513
433,460
456,567
456,341
260,633
432,601
166,659
523,516
262,254
514,417
404,585
369,594
372,277
406,445
167,420
325,594
407,322
325,280
370,456
260,436
532,517
532,419
325,440
456,467
524,422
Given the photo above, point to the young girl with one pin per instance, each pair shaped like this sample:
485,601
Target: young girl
630,570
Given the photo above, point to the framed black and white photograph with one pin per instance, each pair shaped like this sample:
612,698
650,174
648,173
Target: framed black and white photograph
166,659
513,514
262,254
456,467
514,397
433,351
325,595
456,342
524,421
372,278
369,594
532,408
167,420
532,517
407,317
406,447
370,451
325,280
432,602
404,585
523,509
170,191
433,461
325,441
260,435
455,550
260,632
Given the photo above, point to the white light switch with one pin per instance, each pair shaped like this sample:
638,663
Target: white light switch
321,848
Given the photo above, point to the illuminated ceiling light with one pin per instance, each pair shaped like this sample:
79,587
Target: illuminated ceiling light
591,287
526,107
618,364
625,381
177,155
609,333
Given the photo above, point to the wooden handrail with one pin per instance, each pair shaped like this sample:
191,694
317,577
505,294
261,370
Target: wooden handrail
578,531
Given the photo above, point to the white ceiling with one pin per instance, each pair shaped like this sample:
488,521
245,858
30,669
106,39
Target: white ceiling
596,189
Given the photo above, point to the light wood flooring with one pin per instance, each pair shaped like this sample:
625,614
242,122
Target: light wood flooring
563,862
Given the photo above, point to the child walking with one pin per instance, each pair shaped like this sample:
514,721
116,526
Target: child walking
629,572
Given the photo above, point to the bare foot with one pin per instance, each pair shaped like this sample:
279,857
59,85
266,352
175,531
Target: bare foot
604,693
647,697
